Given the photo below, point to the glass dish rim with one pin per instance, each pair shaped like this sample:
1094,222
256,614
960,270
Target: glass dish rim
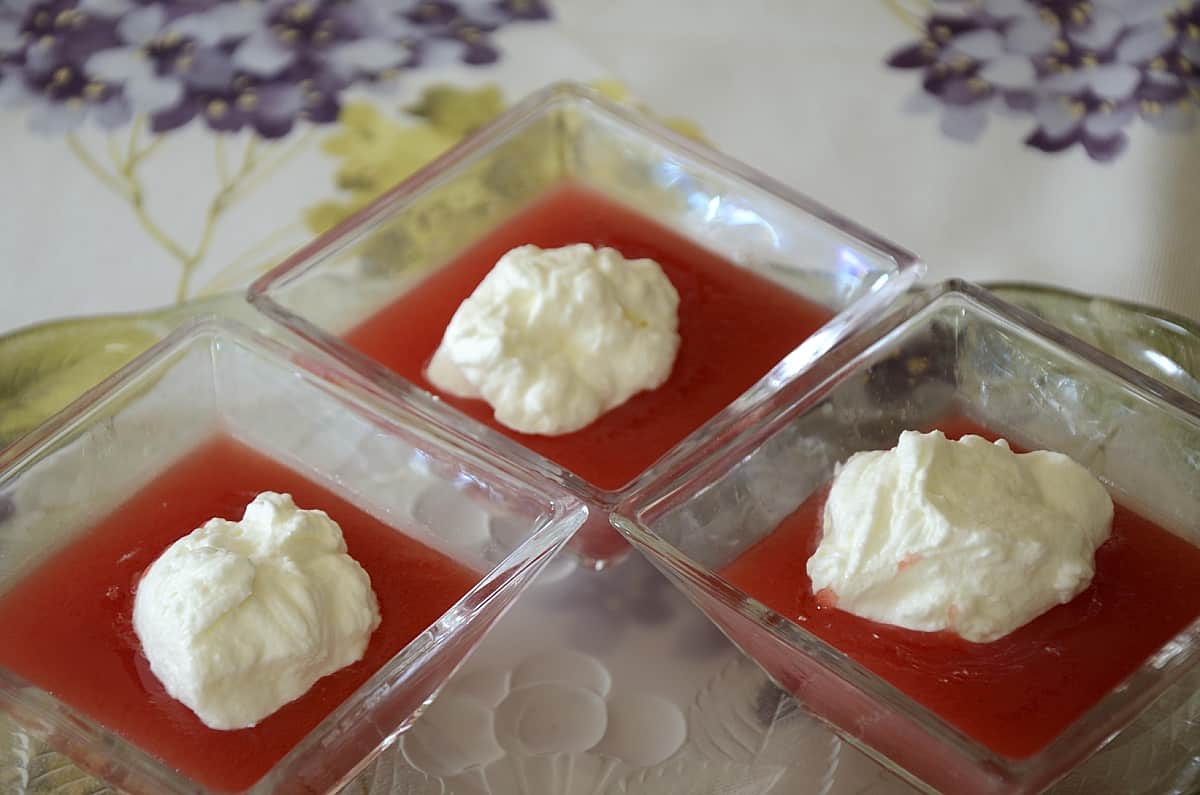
521,113
563,514
1089,732
908,268
1181,322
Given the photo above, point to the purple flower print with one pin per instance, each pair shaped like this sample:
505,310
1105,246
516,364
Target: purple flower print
1084,71
148,61
296,60
43,49
228,100
270,65
454,31
528,10
304,38
228,63
432,12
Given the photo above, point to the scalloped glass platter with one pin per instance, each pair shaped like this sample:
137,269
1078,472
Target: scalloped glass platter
611,683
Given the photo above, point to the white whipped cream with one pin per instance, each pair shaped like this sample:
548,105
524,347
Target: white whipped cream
554,338
964,536
239,618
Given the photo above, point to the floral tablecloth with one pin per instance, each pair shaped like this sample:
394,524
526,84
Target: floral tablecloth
158,154
1035,140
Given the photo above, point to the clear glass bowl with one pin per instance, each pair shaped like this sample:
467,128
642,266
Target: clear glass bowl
570,134
953,351
309,412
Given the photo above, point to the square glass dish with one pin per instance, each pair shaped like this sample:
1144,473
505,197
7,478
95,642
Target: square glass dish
200,423
1014,715
567,166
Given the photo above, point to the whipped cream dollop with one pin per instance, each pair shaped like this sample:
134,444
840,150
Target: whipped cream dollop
553,338
965,536
239,618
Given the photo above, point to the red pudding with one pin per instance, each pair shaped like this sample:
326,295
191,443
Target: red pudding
1016,694
67,626
733,324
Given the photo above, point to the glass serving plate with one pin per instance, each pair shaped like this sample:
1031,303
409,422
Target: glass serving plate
648,697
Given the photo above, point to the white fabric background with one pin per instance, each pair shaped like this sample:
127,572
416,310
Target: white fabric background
800,90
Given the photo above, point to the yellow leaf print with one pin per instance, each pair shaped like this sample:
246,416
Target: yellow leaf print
456,112
376,151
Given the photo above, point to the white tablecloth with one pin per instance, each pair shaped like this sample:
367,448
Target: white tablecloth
802,91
